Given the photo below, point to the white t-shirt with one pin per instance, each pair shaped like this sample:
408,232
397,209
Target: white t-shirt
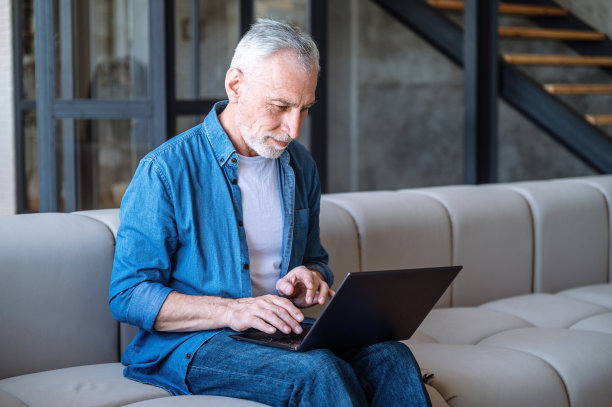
262,220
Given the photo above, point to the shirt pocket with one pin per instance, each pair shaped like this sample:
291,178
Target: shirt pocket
300,235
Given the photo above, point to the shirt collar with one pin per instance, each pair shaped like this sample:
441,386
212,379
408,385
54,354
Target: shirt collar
222,147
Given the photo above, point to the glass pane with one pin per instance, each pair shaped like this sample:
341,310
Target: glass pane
31,161
291,11
186,122
109,45
27,49
218,25
106,155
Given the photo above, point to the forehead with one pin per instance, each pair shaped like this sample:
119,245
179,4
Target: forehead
282,76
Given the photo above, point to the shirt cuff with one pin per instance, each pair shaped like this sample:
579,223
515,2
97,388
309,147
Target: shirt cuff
147,299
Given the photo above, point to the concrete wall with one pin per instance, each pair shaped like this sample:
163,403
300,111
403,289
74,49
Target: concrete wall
397,105
8,201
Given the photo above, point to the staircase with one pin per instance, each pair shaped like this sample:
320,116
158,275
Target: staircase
549,104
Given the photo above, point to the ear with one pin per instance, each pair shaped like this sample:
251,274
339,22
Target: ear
233,84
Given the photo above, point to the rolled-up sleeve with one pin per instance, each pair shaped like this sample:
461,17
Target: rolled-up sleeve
146,242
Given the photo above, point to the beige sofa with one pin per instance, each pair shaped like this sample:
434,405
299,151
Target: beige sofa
527,322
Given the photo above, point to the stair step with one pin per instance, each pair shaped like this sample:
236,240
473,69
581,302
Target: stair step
504,8
565,60
577,88
543,33
600,119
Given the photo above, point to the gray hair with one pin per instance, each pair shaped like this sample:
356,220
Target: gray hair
267,37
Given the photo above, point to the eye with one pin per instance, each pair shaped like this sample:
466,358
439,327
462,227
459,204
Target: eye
280,108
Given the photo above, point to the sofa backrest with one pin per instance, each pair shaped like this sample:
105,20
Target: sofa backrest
55,271
491,237
511,238
394,231
571,234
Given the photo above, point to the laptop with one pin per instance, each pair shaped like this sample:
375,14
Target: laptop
368,307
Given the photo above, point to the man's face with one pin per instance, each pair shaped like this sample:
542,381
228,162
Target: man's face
274,103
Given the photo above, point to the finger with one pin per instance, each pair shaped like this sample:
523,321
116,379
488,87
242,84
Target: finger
290,307
291,315
284,288
261,325
323,293
289,323
283,314
272,315
311,283
286,285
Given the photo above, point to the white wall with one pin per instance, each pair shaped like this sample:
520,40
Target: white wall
8,193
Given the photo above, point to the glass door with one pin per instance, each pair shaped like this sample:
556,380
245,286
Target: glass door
100,100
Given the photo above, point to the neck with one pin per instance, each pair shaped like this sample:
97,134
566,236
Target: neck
227,119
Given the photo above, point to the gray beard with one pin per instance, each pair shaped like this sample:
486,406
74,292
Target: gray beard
259,144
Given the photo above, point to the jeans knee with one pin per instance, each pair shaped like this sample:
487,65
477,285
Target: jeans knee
391,350
324,379
321,364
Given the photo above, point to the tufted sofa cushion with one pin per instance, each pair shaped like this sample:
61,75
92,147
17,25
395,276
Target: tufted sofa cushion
571,234
491,230
395,231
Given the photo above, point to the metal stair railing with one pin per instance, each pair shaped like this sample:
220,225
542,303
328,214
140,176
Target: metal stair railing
549,113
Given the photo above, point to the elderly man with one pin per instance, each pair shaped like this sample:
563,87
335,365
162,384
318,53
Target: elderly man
220,233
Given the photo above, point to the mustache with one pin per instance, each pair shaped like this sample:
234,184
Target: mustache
284,138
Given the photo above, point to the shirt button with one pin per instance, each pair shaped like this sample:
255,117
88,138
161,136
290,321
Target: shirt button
222,159
234,160
246,266
234,181
240,223
188,356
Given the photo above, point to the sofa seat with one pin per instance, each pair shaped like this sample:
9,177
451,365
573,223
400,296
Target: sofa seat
83,386
469,375
104,385
218,401
196,401
562,342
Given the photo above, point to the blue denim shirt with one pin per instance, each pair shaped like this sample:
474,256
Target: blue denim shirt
180,230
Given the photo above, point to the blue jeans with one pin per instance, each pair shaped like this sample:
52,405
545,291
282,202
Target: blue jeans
384,374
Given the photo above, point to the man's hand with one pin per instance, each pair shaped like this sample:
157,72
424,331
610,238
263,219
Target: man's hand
266,313
304,287
189,313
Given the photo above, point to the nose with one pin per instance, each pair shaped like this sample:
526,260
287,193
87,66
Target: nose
292,123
